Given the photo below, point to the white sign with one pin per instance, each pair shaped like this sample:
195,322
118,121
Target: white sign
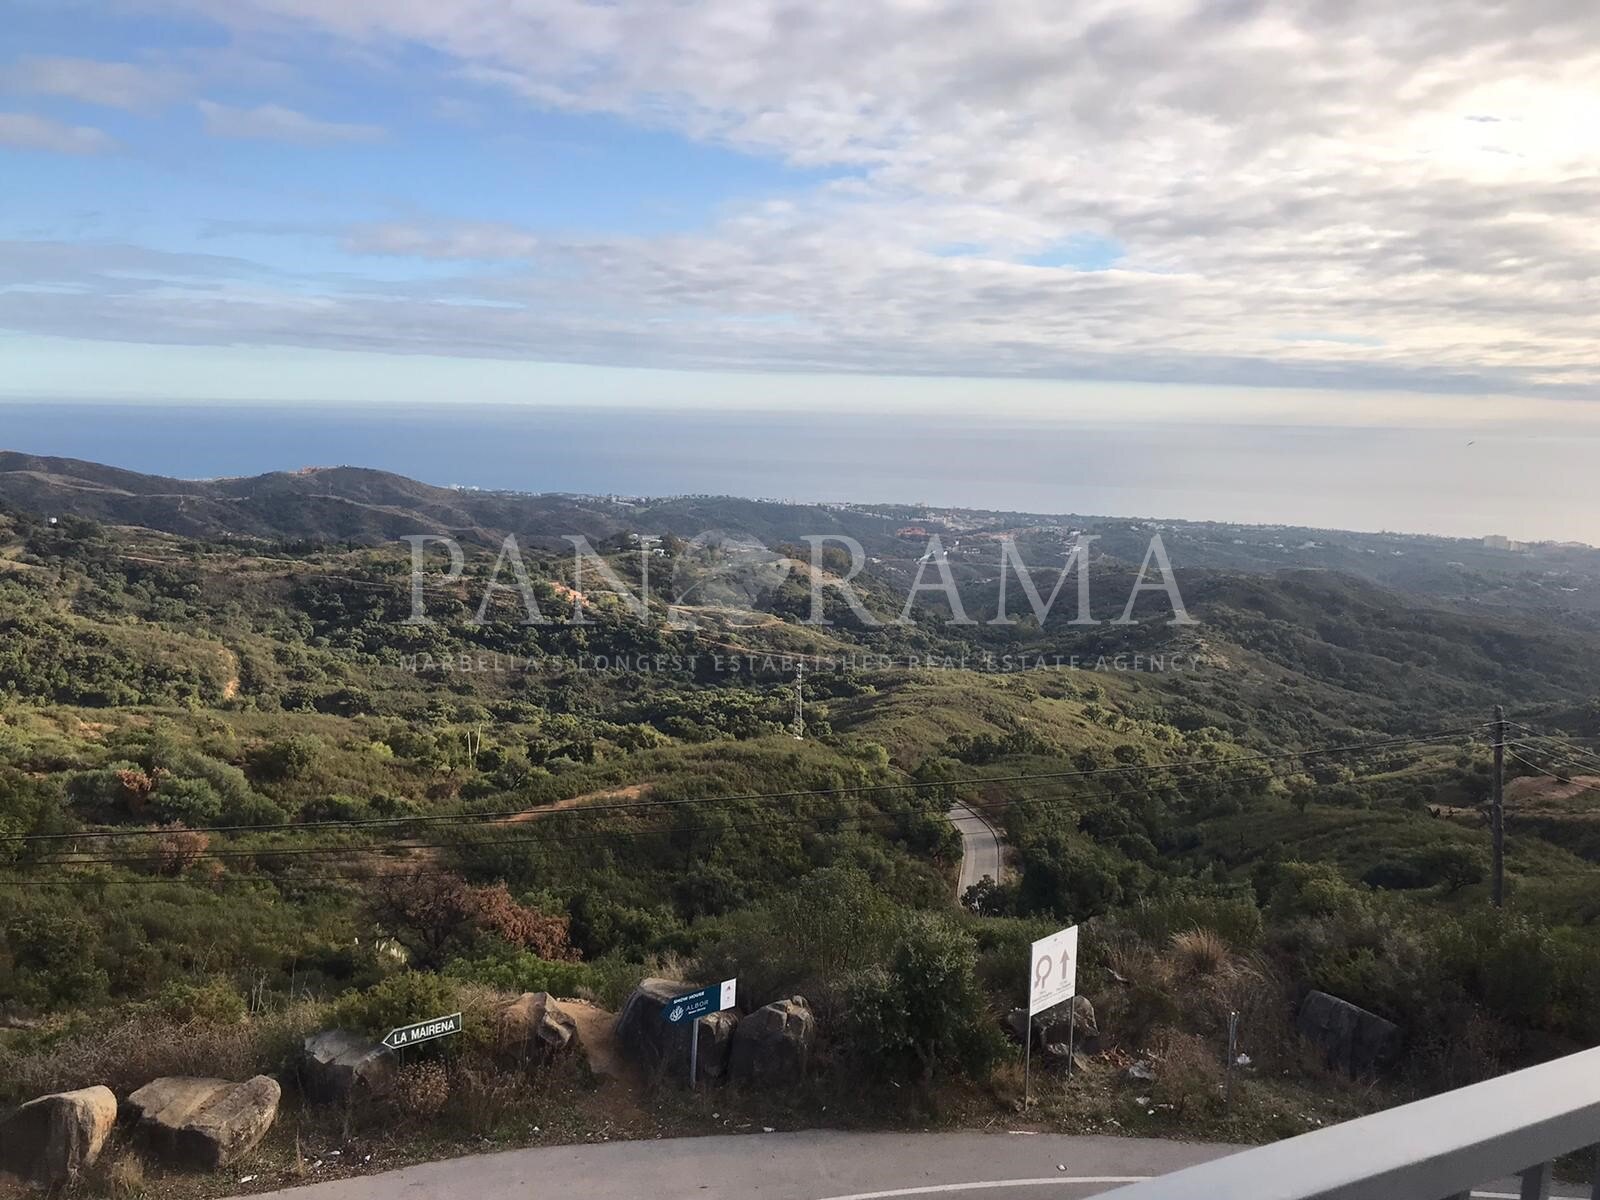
1053,973
730,988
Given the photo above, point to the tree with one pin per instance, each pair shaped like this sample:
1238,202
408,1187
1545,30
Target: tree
434,915
1454,864
924,1015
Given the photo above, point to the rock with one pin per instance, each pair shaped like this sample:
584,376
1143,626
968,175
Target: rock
336,1065
533,1028
1142,1071
1054,1027
656,1043
205,1122
1352,1039
718,1036
773,1044
48,1141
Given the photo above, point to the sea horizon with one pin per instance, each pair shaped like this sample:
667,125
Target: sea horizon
1467,482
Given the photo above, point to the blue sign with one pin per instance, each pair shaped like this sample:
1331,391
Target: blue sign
697,1004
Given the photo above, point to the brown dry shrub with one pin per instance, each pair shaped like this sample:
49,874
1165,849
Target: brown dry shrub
421,1091
177,848
1200,952
1188,1075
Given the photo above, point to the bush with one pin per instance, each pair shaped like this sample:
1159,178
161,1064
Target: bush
923,1016
289,758
215,1000
808,941
1199,952
398,1000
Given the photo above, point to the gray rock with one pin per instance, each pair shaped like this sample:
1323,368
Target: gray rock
336,1066
773,1044
205,1122
658,1045
1053,1027
49,1141
534,1028
718,1036
1351,1039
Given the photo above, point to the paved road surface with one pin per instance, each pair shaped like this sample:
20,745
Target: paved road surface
980,848
783,1166
799,1166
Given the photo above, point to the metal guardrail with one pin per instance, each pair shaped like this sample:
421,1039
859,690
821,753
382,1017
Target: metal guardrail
1435,1149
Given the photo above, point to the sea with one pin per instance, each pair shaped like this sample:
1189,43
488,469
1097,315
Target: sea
1460,482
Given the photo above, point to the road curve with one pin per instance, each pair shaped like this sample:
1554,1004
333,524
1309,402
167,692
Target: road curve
980,848
817,1165
787,1166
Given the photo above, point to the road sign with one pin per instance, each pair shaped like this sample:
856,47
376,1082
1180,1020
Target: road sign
1053,975
716,998
422,1031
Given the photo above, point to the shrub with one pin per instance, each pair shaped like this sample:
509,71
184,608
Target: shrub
1235,919
435,914
289,758
923,1015
398,1000
215,1000
1188,1077
1199,952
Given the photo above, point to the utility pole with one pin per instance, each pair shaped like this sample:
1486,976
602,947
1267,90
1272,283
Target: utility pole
1497,809
800,700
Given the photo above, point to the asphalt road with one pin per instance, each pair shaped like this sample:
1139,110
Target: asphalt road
803,1166
980,848
786,1166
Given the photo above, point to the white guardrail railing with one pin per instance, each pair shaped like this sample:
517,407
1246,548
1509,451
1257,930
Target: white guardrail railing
1435,1149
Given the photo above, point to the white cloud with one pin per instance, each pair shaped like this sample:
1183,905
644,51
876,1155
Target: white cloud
1300,191
92,81
273,122
25,131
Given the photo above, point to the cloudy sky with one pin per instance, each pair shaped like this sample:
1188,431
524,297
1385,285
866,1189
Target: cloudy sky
1372,206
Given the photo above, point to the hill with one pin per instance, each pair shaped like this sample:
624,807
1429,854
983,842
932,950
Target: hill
231,770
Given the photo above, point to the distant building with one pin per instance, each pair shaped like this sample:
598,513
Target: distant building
1497,542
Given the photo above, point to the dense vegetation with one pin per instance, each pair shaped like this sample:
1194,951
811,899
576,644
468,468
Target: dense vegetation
232,778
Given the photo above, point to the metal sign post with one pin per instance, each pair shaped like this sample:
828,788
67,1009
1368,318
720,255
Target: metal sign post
1072,1033
691,1007
1233,1054
1052,978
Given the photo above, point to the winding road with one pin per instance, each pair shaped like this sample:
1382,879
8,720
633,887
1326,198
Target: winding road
980,848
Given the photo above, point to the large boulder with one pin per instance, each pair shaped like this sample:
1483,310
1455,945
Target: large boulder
657,1044
773,1044
1068,1023
718,1036
534,1028
205,1122
48,1141
337,1066
1351,1039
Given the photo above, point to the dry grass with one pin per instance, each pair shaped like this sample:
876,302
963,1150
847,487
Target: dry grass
1200,953
117,1175
1188,1076
129,1052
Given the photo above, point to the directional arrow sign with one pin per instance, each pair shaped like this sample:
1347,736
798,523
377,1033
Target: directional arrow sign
422,1031
716,998
1053,976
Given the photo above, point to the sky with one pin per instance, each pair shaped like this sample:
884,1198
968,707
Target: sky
1372,211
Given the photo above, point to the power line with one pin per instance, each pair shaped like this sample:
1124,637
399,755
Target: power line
855,789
